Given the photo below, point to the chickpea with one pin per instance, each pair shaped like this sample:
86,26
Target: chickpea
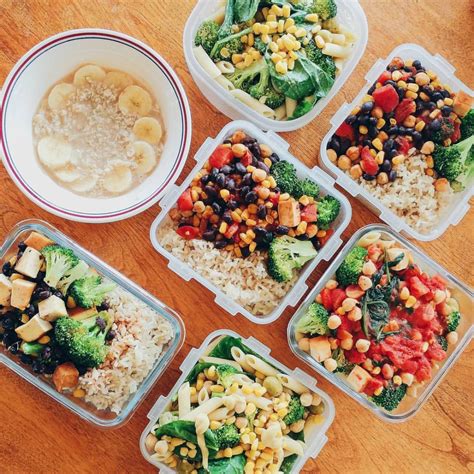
422,79
452,337
347,344
265,150
353,153
150,442
348,304
355,314
356,171
332,155
344,162
241,422
382,178
317,409
334,322
298,426
387,371
362,345
273,386
365,282
439,296
441,185
330,364
306,399
259,175
161,447
331,284
238,137
407,378
427,148
239,150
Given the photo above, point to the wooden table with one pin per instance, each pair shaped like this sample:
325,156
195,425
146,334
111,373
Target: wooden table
37,435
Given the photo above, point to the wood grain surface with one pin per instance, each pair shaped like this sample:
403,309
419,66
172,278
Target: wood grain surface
38,436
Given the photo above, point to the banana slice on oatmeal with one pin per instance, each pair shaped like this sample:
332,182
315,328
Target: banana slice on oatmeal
57,98
118,180
148,129
144,156
117,79
135,100
84,185
89,73
54,152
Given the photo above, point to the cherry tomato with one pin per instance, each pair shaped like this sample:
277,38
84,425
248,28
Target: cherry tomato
326,298
309,213
185,201
384,77
372,385
368,163
403,145
338,296
404,109
345,131
275,199
221,156
456,135
417,288
187,232
386,97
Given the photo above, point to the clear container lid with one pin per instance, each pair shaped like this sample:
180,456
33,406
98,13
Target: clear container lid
349,14
464,295
318,436
453,213
279,146
102,418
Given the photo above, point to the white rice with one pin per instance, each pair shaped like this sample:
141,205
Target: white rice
141,337
245,280
412,196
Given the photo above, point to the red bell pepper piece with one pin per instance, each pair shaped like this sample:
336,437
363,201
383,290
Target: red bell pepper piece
386,97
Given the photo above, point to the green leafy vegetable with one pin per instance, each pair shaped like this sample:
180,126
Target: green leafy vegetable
233,465
197,369
223,348
288,463
245,10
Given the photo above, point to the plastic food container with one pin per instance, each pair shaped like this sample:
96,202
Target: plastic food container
280,147
452,214
88,412
465,296
350,14
314,446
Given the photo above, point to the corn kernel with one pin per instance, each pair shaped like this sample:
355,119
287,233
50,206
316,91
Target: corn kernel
377,144
320,43
397,380
411,94
312,17
282,412
398,160
79,393
380,123
448,101
223,227
410,302
420,126
24,318
286,11
321,233
405,293
363,130
44,340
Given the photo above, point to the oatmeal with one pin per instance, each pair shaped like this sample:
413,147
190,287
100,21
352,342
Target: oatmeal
98,133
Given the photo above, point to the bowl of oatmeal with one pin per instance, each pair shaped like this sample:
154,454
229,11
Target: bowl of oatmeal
94,124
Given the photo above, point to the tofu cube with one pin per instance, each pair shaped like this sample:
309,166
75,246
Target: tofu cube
37,241
358,378
33,329
21,293
52,308
5,290
462,103
81,313
289,213
29,263
320,348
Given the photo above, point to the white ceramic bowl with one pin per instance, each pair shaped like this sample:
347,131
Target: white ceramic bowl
55,58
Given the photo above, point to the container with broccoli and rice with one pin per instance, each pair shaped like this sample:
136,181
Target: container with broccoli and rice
275,63
250,222
236,409
77,329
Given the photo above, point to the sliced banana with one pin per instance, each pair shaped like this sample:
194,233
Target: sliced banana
118,79
135,100
68,175
54,152
148,129
58,96
87,74
144,156
84,185
119,180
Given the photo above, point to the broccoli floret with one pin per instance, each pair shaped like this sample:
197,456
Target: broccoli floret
343,365
228,436
285,176
453,319
226,374
390,397
314,320
467,125
303,107
325,62
34,349
445,130
59,260
207,35
350,269
254,74
443,342
260,46
263,88
305,187
328,210
84,341
286,254
231,44
455,163
326,9
90,290
295,411
76,272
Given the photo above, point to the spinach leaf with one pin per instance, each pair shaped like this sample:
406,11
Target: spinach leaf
297,436
197,369
303,107
288,463
233,465
187,430
226,27
245,10
396,260
322,81
223,348
225,39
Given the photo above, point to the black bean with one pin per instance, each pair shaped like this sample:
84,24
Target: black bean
245,252
9,338
22,246
230,184
15,347
262,211
386,166
227,218
411,80
367,142
417,137
214,172
274,158
40,276
232,205
226,169
47,352
216,208
251,197
390,82
263,167
335,144
373,132
388,145
316,243
351,119
26,359
431,106
111,335
371,90
437,96
409,131
220,180
282,230
104,306
401,130
401,93
220,244
446,110
7,269
248,141
240,168
368,177
345,144
205,179
366,107
38,367
435,125
392,176
446,94
363,120
8,323
393,153
247,179
416,64
245,189
372,121
227,142
210,191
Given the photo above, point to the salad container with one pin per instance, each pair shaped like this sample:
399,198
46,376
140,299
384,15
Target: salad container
314,446
280,147
350,14
464,295
101,418
453,213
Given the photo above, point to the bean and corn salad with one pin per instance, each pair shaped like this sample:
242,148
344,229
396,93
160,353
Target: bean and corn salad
381,322
246,199
407,109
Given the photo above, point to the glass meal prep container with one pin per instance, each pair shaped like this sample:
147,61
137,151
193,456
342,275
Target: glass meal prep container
101,418
318,438
457,209
350,14
409,406
279,146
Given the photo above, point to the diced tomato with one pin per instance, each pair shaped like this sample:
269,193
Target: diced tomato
438,282
354,291
424,369
343,333
410,366
337,296
246,160
403,145
411,271
384,77
399,349
326,298
397,62
407,75
275,199
422,316
185,201
456,135
417,288
187,232
323,240
355,357
435,352
404,109
221,156
309,213
373,385
345,131
368,163
231,230
386,97
374,252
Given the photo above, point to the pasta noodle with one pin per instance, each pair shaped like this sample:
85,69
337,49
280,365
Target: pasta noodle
239,357
290,105
208,406
220,414
292,384
336,51
350,37
202,425
339,39
261,403
225,83
272,437
253,103
206,62
184,400
312,422
260,366
203,396
280,112
369,238
218,361
226,67
291,446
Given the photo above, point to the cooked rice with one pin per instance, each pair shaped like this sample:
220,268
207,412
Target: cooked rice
412,196
244,280
141,337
